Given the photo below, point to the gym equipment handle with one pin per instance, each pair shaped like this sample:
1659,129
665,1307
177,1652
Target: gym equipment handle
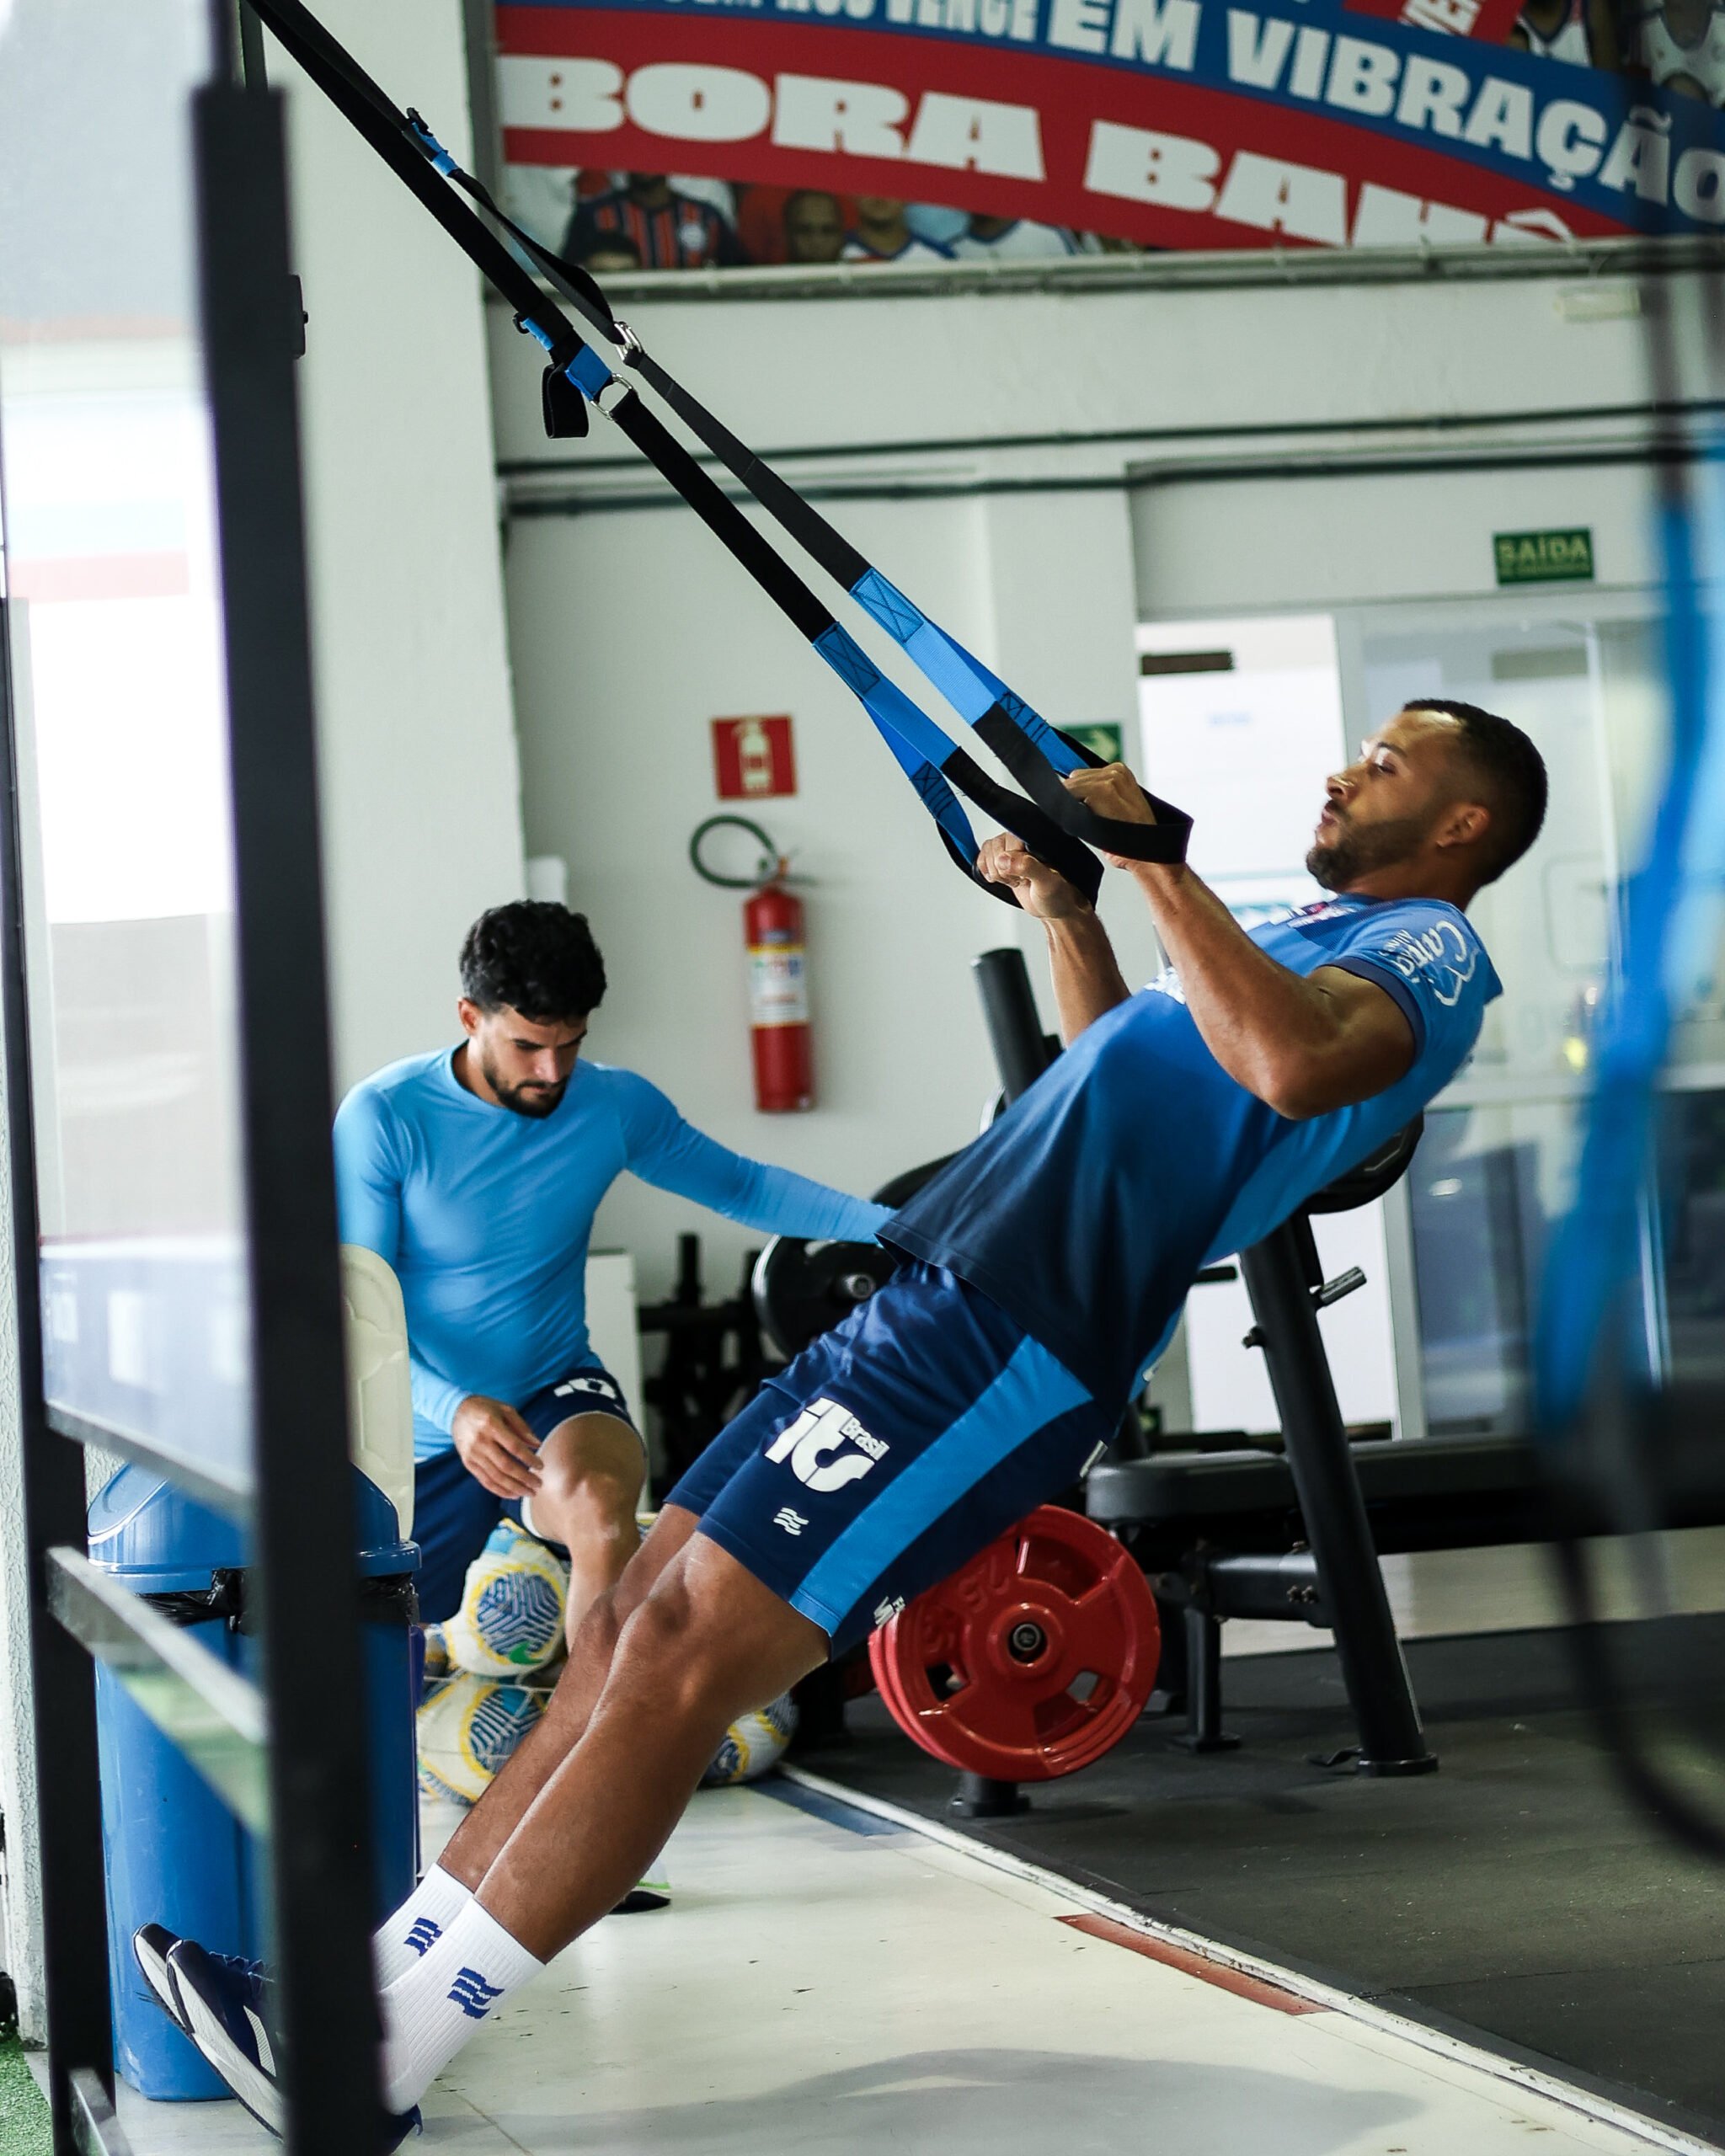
1332,1291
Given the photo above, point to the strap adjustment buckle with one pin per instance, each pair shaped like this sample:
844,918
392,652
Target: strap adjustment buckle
627,342
611,397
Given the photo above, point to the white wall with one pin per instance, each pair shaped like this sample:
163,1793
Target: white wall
1351,538
630,628
420,782
1265,343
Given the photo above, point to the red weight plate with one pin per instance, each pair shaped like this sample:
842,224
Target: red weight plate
1032,1661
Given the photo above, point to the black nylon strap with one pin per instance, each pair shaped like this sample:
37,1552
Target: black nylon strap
404,145
1064,817
1163,840
1024,818
777,496
1026,821
720,514
360,101
806,524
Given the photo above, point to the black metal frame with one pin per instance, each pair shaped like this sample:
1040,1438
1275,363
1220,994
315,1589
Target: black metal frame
1285,1280
299,1734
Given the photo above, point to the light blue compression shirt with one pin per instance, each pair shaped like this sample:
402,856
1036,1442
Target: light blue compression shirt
485,1215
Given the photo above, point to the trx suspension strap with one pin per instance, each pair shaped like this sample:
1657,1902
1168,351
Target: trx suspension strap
1038,756
1057,829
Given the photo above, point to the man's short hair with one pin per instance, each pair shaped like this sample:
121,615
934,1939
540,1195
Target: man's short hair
536,956
1511,776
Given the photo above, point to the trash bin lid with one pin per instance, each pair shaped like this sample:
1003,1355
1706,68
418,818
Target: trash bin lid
145,1530
381,1548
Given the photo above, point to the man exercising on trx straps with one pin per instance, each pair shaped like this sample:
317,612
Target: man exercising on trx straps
1045,1267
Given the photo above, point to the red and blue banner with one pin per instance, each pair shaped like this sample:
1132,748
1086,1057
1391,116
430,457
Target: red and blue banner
1175,123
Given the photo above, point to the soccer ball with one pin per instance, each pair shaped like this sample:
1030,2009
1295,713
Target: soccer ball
511,1616
753,1744
438,1664
467,1726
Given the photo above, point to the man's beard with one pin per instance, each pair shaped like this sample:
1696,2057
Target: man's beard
534,1101
1353,853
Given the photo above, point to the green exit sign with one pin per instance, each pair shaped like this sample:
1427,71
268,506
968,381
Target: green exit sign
1544,556
1103,737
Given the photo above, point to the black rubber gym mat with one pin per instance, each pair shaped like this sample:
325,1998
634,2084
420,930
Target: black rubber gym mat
1515,1895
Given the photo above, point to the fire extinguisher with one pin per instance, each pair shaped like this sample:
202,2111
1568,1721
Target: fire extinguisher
778,998
773,931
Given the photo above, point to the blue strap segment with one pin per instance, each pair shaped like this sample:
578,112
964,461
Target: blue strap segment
441,159
588,372
1672,908
962,679
917,743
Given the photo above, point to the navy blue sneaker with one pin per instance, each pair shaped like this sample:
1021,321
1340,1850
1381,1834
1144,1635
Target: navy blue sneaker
219,2000
153,1943
151,1946
217,2011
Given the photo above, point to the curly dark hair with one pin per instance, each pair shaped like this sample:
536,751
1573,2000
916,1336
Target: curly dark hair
1510,773
534,956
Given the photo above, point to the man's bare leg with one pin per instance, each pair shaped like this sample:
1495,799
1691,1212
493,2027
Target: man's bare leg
476,1841
708,1643
591,1469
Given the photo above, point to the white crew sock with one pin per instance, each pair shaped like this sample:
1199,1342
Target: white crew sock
430,2013
408,1934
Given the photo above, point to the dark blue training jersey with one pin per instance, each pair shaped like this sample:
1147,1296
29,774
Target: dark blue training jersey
1086,1208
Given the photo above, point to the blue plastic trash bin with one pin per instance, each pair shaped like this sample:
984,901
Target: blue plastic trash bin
175,1854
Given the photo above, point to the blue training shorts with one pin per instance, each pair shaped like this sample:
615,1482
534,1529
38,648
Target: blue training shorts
891,1451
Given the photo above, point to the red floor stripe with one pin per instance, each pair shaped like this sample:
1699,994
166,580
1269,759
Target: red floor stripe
1195,1965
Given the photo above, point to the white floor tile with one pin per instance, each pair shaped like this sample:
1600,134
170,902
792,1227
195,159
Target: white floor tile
814,1989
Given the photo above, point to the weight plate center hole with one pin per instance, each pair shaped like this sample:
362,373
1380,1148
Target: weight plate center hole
1027,1641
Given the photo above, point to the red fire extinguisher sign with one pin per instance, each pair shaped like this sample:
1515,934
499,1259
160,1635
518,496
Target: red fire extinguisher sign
778,1000
752,758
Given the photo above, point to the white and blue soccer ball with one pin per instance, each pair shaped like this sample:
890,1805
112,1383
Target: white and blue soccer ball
513,1605
467,1726
752,1744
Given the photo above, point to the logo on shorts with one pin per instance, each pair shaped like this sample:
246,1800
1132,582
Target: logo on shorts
602,1386
822,1429
791,1523
884,1612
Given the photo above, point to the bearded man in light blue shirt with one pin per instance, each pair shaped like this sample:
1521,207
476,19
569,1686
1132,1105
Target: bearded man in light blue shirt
475,1172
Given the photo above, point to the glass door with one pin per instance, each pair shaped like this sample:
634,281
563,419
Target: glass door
1584,676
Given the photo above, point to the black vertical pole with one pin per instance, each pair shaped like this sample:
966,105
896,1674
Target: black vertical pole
1204,1730
1021,1047
1280,1274
1021,1054
62,1676
303,1539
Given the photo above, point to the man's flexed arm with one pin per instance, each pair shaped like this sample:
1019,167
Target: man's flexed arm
1304,1046
1086,973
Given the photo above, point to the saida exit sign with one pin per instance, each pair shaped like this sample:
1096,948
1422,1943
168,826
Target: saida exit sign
1544,556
